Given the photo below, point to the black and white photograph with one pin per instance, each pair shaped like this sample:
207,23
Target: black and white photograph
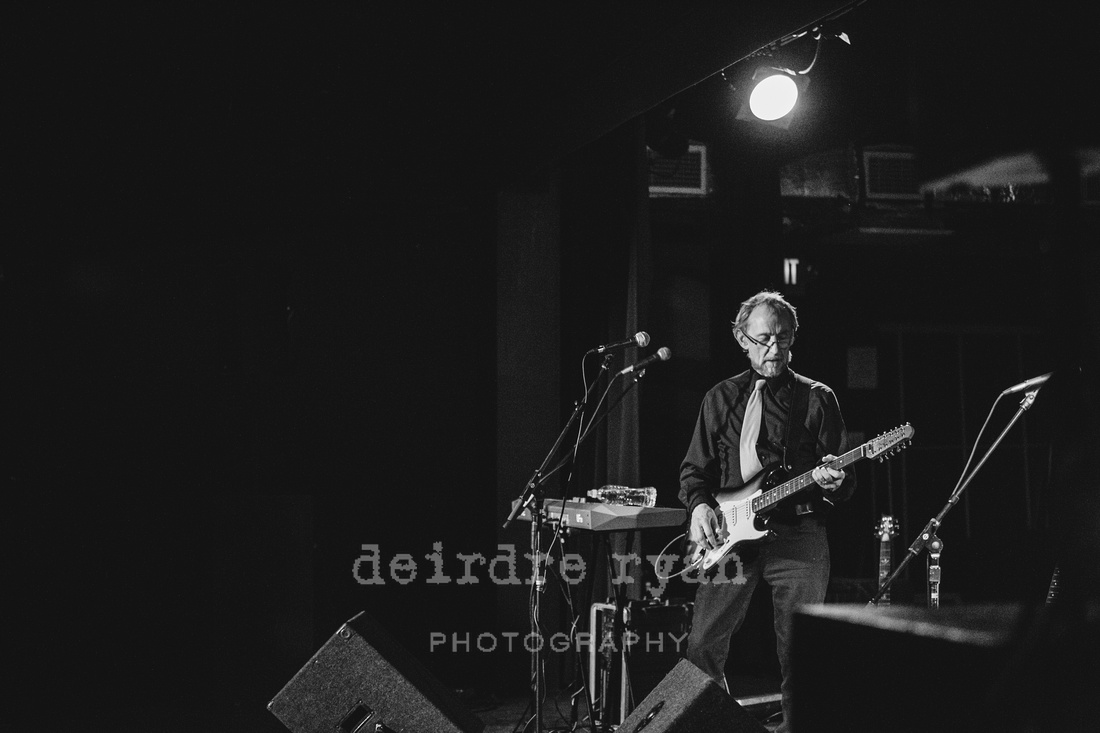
539,368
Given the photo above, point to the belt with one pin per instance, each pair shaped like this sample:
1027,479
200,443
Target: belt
792,519
806,508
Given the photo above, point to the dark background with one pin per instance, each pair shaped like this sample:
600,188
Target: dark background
282,282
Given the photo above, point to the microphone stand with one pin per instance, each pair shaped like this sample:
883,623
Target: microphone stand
532,498
533,488
927,537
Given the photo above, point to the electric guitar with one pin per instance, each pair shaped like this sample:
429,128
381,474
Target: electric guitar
887,529
742,507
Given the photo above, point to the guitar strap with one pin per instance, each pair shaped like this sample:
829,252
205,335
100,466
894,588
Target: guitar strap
796,414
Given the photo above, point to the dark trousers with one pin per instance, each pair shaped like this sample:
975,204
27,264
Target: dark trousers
795,565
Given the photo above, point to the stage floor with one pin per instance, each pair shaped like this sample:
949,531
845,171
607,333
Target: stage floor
760,697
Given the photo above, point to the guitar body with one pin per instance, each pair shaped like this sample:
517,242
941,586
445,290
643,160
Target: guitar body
742,523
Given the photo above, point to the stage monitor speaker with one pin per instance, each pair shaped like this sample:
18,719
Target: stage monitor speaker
859,668
687,700
360,679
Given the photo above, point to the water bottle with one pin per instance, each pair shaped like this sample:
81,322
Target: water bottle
625,495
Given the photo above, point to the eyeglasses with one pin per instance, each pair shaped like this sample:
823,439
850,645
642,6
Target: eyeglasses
782,340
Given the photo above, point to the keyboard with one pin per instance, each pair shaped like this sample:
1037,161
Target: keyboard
597,517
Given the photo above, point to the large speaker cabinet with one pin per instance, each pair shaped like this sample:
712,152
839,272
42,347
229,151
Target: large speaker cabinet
898,668
360,679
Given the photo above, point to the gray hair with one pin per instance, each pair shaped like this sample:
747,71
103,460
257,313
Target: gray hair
771,299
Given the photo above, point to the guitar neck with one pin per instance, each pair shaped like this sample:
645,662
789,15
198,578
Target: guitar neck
885,565
1052,591
770,498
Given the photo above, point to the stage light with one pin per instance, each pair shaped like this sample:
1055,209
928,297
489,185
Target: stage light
773,96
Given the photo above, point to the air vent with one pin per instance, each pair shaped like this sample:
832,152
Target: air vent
890,175
682,176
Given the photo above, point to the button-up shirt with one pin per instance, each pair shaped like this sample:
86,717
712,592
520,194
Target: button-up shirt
713,460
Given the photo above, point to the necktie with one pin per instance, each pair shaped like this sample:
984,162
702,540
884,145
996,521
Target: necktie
750,431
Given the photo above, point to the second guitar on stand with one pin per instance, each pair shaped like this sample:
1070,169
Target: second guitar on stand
886,531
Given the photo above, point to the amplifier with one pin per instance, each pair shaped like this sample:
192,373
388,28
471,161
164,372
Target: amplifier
622,672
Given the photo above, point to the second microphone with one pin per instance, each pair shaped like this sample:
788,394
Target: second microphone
663,354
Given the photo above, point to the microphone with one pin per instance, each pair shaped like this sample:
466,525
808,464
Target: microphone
1029,384
639,339
663,354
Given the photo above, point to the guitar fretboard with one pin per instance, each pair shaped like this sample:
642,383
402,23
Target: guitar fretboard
773,496
1052,592
885,565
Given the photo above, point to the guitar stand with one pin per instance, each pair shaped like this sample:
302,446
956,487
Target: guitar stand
927,538
935,547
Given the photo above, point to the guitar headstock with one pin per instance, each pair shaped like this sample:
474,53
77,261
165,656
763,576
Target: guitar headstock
887,528
891,442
